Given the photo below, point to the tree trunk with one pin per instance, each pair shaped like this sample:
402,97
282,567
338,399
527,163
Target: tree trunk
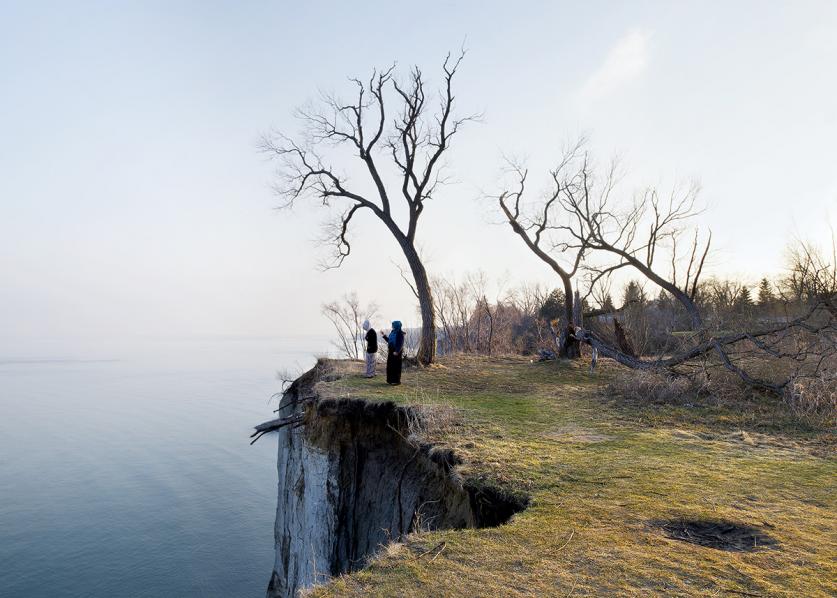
623,341
490,323
427,344
569,347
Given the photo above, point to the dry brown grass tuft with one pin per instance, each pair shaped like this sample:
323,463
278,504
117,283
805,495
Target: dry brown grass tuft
814,400
431,418
653,387
810,401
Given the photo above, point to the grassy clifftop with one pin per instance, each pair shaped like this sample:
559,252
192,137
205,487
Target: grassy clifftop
612,485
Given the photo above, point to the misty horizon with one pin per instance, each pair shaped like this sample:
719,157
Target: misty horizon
135,201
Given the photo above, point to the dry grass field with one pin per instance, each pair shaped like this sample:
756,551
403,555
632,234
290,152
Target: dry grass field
619,489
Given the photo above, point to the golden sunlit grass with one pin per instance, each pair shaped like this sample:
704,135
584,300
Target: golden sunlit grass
600,471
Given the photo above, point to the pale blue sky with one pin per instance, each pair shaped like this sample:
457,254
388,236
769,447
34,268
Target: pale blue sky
133,202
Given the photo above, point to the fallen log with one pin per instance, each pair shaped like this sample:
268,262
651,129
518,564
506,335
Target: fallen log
274,424
719,346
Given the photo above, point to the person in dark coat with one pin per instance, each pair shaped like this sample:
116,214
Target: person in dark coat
395,351
371,349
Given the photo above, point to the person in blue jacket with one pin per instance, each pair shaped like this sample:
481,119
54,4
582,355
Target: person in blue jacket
395,352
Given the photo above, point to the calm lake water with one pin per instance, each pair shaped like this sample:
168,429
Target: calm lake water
132,475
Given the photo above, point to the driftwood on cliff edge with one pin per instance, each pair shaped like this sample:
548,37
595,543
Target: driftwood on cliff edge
275,424
298,392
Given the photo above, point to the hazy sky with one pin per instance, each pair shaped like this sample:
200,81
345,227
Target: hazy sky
134,204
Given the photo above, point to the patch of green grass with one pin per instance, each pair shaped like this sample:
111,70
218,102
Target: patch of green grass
599,470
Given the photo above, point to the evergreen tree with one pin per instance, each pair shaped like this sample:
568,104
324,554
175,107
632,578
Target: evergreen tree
553,307
766,296
633,294
664,300
744,301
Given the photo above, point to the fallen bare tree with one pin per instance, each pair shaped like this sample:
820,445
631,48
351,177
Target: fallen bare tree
415,141
601,236
807,344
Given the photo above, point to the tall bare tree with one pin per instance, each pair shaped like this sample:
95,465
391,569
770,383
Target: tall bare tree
413,141
583,220
537,225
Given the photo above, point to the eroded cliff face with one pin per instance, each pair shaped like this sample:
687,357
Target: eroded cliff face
350,482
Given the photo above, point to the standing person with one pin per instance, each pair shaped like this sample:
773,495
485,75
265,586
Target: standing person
371,349
395,349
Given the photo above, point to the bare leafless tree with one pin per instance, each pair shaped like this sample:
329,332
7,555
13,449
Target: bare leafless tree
638,236
723,293
584,220
414,142
474,319
347,316
443,305
455,305
811,273
484,313
539,226
533,332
